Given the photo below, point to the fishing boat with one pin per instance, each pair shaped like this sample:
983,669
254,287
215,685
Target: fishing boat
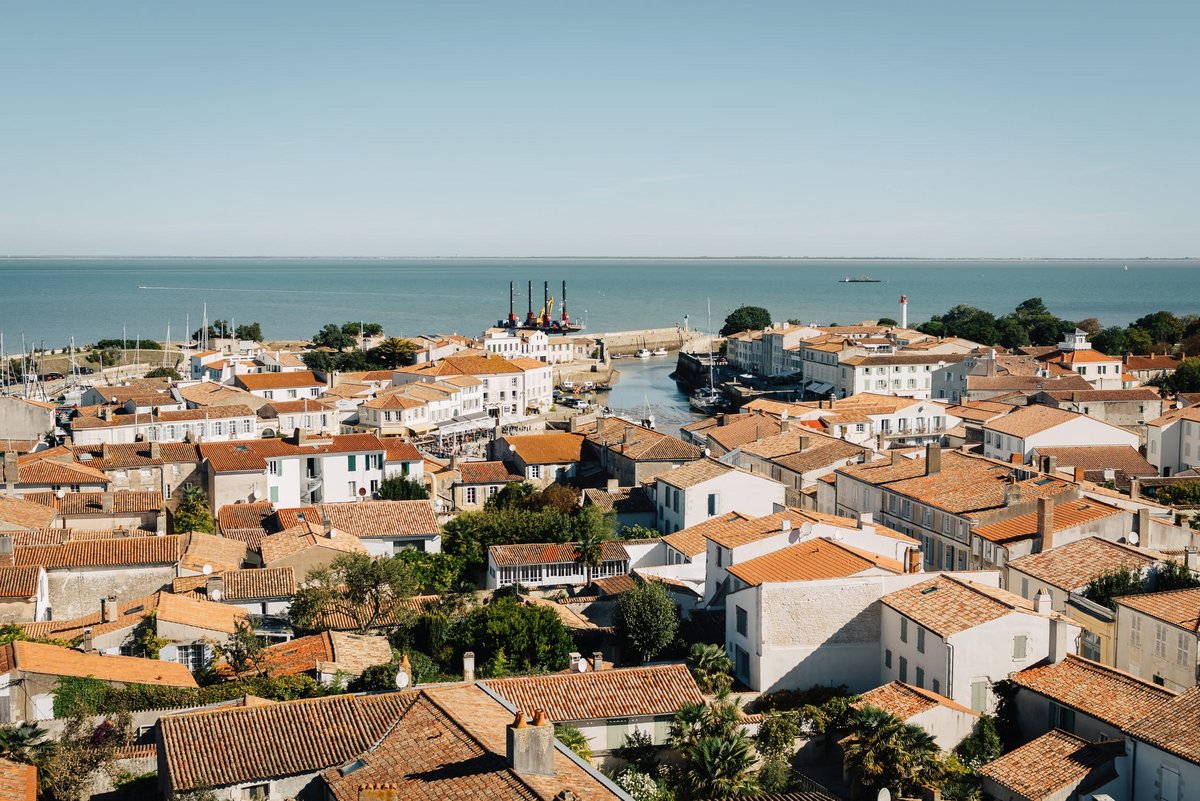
862,279
707,400
660,352
642,353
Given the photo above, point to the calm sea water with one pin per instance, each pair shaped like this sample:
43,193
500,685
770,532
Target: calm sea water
53,300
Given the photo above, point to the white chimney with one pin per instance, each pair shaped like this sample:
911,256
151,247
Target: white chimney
904,311
1041,602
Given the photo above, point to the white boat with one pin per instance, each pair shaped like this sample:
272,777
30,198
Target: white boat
642,353
567,386
707,399
659,352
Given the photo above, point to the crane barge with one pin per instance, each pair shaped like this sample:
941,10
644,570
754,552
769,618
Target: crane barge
544,320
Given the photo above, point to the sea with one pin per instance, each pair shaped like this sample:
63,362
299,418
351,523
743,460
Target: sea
51,300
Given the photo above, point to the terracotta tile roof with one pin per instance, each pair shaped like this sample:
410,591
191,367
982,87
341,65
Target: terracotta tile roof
229,746
300,538
252,454
393,401
736,533
464,365
462,759
550,553
122,456
1177,607
1067,515
18,781
614,585
901,357
625,692
250,584
1025,383
1105,693
1074,565
697,472
1049,764
366,519
222,412
25,514
19,582
117,552
342,621
693,541
947,605
624,500
128,615
400,451
822,452
966,484
292,406
1174,727
1025,421
248,520
293,380
1186,413
548,448
1155,361
53,471
1101,457
328,652
77,504
18,446
218,553
486,473
1087,356
188,611
300,655
32,657
293,516
740,429
811,560
643,443
904,700
1101,395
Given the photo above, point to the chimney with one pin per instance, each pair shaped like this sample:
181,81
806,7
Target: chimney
1016,458
530,748
897,456
721,419
597,660
933,459
1080,474
865,519
805,442
214,587
1045,523
1012,492
1041,602
1189,557
86,644
1059,645
326,525
573,659
105,450
454,461
1135,488
613,484
469,667
913,561
107,502
10,467
1142,523
155,451
785,426
627,439
106,414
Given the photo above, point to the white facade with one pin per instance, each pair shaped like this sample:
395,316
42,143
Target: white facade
1156,650
1080,430
733,491
1173,441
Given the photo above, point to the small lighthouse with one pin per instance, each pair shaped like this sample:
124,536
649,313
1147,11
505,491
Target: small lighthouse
904,311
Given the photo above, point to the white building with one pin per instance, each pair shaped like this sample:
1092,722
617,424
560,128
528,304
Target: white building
1173,441
294,385
510,388
958,637
706,488
1157,637
1028,428
551,564
96,425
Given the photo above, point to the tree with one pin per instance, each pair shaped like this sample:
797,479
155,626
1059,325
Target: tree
1114,584
366,329
146,643
243,651
507,635
1112,340
1172,575
971,323
776,741
573,738
394,352
319,360
331,336
746,318
402,488
889,321
711,668
67,769
251,332
884,751
1186,377
646,619
639,751
24,742
434,573
164,372
719,767
982,745
372,592
589,551
1161,326
192,514
638,532
513,495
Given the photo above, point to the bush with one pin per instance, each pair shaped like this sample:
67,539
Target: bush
87,696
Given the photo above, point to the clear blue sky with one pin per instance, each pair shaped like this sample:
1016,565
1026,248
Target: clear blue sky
963,128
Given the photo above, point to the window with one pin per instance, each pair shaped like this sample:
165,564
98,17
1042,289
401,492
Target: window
352,462
193,657
1062,717
1135,632
1024,587
274,493
1160,641
742,624
887,658
291,393
1090,646
471,495
1020,646
352,488
617,729
1181,650
903,629
535,471
937,686
714,503
218,428
258,792
979,694
903,669
920,640
273,467
247,426
269,395
920,677
742,663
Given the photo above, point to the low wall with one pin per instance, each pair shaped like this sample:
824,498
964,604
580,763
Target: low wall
626,342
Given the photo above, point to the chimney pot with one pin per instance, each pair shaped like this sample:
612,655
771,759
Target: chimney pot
1041,602
530,749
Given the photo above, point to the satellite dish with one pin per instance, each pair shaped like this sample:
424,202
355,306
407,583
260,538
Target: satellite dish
362,492
402,680
806,529
582,666
1133,538
206,570
216,595
708,451
884,795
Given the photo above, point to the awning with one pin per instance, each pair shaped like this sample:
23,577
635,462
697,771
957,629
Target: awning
820,389
461,424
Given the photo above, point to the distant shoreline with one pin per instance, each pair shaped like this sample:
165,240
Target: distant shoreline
1013,259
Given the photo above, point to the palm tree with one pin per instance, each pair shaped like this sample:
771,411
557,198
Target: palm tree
882,750
711,668
573,738
687,725
588,551
719,767
23,742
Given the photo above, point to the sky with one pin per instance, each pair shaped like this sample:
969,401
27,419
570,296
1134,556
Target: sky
936,129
